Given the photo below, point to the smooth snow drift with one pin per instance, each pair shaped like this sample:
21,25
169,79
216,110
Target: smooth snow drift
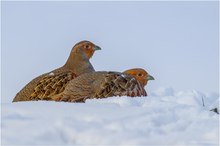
163,118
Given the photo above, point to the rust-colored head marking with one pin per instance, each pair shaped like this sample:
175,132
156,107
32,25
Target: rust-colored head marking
140,74
87,47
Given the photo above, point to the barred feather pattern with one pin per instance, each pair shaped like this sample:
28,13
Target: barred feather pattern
119,84
51,85
101,85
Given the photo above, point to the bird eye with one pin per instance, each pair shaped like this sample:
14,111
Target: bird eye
87,46
140,75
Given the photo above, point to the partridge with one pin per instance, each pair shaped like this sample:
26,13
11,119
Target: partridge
104,84
47,85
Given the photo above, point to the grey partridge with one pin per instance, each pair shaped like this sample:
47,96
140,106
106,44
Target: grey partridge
105,84
47,85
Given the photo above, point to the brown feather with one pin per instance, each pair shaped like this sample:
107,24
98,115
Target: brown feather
49,85
101,85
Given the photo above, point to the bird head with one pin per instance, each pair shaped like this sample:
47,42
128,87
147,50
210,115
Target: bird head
140,74
86,47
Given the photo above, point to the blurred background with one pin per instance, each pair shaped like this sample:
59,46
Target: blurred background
176,42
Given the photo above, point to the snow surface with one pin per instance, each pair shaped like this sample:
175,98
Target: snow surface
165,117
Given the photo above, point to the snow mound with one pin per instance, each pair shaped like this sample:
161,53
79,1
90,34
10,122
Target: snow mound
164,117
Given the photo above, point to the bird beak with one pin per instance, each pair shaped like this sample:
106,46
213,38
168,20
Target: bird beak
97,48
149,77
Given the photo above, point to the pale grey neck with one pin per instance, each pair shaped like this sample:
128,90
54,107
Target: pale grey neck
78,63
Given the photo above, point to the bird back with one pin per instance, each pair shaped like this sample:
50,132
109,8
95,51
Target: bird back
101,85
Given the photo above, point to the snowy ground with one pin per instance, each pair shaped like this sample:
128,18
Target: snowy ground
163,118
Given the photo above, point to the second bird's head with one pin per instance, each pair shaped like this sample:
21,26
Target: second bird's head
140,74
86,47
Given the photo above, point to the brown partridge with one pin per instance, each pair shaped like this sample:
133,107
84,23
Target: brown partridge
45,86
105,84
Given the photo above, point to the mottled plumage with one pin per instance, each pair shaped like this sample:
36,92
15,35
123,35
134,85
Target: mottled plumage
103,85
50,84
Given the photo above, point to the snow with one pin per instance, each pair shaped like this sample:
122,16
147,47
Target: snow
51,74
165,117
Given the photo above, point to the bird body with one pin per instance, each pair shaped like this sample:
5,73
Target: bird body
102,84
47,85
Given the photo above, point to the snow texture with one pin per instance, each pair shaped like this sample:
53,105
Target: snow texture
165,117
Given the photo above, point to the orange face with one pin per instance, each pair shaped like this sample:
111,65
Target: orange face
87,47
140,74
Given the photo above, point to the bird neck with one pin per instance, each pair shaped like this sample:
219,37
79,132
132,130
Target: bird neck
78,63
143,83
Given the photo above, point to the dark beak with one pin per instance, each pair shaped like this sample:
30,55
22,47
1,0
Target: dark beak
149,77
97,48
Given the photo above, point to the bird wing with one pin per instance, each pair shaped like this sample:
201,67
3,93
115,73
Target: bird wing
81,88
100,85
119,84
51,85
